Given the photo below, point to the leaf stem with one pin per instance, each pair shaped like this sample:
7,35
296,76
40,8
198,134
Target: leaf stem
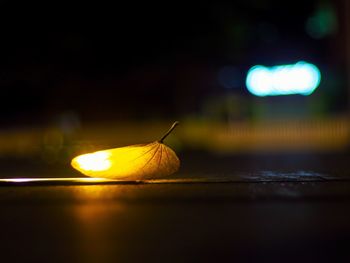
169,131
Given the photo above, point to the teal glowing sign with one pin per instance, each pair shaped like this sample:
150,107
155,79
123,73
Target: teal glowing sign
300,78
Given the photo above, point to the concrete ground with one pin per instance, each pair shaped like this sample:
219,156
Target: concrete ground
271,208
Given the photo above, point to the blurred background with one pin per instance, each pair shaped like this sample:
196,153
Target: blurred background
247,80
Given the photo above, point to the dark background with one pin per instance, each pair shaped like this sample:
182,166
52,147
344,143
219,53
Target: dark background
262,179
129,61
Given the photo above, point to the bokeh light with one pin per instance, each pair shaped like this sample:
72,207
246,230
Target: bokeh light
300,78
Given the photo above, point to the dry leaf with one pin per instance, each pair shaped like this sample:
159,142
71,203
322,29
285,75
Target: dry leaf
142,161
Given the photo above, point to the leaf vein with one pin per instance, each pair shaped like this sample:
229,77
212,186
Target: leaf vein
160,157
153,147
151,157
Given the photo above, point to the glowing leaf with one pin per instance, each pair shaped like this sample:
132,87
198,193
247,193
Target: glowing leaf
141,161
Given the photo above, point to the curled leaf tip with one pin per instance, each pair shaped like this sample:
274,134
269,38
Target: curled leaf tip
169,131
140,161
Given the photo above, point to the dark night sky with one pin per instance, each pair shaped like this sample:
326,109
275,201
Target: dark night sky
132,60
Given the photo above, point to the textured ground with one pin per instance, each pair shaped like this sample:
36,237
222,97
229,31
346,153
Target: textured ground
296,211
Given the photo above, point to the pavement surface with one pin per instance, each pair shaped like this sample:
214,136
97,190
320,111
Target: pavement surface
216,209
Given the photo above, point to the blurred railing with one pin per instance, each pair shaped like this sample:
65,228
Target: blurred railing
307,135
326,135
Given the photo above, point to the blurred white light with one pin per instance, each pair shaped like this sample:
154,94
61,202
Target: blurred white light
77,180
300,78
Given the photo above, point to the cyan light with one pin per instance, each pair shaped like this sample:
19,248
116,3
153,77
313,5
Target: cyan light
300,78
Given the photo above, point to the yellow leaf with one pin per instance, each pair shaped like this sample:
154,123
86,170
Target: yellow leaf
141,161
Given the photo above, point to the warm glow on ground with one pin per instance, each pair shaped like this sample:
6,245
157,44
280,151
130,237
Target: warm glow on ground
74,180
